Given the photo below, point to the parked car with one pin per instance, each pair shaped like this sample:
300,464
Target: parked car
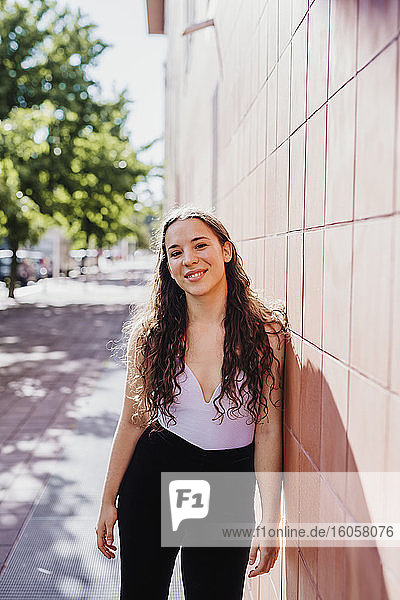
31,266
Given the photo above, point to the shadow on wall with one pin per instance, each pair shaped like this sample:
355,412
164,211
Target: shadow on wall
314,429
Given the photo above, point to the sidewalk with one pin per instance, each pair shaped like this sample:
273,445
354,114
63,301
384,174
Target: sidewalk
50,356
55,554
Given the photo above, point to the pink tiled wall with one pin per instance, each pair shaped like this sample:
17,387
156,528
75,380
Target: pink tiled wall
308,180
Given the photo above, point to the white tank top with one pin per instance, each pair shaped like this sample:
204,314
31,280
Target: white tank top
194,417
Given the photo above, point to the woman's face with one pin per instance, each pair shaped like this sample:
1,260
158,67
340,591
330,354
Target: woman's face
193,246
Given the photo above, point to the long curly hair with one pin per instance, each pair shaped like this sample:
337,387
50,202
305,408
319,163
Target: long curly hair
155,337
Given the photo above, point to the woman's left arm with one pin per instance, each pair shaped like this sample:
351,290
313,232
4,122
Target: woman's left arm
268,460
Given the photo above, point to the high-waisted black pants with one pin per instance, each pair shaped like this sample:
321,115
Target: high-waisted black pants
212,573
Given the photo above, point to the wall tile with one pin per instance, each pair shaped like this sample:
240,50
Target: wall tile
363,573
366,452
295,281
299,9
255,67
250,264
271,200
263,47
236,215
280,261
291,497
276,252
259,248
370,327
282,187
395,327
247,140
272,35
315,169
330,559
334,422
253,133
392,581
396,203
292,573
330,510
252,205
255,258
269,281
309,497
377,25
283,96
306,586
272,92
337,287
392,460
310,416
292,386
340,155
318,55
342,44
392,454
239,152
241,211
331,582
298,76
297,148
291,465
313,277
260,207
262,124
285,18
375,136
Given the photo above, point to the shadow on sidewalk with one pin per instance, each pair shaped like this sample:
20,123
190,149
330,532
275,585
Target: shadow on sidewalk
50,359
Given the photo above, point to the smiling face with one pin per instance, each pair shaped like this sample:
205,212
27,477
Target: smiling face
193,246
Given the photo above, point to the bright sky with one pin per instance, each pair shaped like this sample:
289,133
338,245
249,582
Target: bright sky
135,62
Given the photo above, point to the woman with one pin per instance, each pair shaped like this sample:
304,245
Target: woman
201,326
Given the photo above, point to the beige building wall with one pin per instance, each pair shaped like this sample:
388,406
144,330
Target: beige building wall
284,119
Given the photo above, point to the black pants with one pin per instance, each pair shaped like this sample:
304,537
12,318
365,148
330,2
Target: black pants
215,573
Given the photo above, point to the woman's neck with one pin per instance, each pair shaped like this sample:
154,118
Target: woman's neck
206,310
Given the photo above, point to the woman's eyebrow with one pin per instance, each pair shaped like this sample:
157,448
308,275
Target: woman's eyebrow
201,237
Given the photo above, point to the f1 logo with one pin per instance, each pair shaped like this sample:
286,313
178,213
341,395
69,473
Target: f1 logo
189,499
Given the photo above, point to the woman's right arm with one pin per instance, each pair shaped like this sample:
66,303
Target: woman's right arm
122,449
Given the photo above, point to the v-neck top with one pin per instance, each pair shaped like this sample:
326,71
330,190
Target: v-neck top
194,416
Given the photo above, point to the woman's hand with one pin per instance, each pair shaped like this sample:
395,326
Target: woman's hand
104,530
268,555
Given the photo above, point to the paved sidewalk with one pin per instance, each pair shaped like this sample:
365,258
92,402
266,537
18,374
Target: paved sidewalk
50,358
55,554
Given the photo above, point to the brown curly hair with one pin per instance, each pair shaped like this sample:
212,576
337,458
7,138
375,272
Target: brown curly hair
156,336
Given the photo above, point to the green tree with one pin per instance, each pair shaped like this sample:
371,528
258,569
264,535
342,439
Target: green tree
20,217
84,180
44,54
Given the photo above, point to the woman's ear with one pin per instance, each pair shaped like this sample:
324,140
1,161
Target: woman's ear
227,250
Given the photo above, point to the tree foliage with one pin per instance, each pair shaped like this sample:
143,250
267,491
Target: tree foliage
63,151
